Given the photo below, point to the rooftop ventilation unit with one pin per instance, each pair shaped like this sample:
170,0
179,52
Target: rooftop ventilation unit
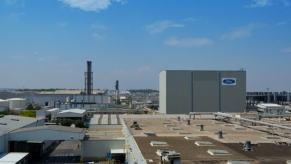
201,127
158,143
247,146
204,143
169,156
135,125
217,152
220,134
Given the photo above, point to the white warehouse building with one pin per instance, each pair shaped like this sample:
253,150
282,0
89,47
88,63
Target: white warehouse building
17,103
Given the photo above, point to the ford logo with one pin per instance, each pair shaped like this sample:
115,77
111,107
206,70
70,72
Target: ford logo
229,81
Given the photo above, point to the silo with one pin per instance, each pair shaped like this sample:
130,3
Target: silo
4,105
17,103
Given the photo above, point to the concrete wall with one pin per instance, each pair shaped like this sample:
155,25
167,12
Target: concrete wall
94,149
163,90
2,144
201,91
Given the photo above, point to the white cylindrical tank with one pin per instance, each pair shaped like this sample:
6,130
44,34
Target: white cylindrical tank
4,105
17,103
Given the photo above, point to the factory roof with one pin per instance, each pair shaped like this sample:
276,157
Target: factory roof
12,158
168,125
11,122
105,119
166,132
52,127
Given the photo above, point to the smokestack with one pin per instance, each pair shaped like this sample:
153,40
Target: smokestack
89,79
117,92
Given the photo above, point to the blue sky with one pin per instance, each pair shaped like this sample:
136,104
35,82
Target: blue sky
45,43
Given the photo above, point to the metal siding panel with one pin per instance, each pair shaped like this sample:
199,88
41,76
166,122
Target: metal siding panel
163,92
205,91
233,98
178,92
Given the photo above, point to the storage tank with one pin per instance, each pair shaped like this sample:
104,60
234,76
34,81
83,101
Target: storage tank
17,103
4,105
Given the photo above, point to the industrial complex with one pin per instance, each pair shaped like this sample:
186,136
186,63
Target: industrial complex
197,116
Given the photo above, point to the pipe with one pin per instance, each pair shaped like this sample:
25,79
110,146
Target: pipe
252,121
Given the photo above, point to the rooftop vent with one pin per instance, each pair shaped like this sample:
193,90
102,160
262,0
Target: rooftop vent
135,125
217,152
204,143
247,146
158,143
188,122
201,127
220,134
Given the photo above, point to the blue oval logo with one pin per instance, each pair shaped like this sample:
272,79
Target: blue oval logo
228,81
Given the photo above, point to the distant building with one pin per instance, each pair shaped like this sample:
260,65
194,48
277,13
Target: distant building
75,114
270,109
184,91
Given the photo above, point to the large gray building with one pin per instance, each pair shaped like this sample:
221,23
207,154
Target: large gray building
184,91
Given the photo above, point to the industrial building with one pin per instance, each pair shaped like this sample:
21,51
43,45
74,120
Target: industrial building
184,91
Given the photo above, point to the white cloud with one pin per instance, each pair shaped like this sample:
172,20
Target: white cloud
287,50
265,3
90,5
160,26
241,32
188,42
260,3
98,31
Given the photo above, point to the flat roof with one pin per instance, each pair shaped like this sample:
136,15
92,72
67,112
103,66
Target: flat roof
168,125
52,127
105,119
181,138
12,122
13,157
190,153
